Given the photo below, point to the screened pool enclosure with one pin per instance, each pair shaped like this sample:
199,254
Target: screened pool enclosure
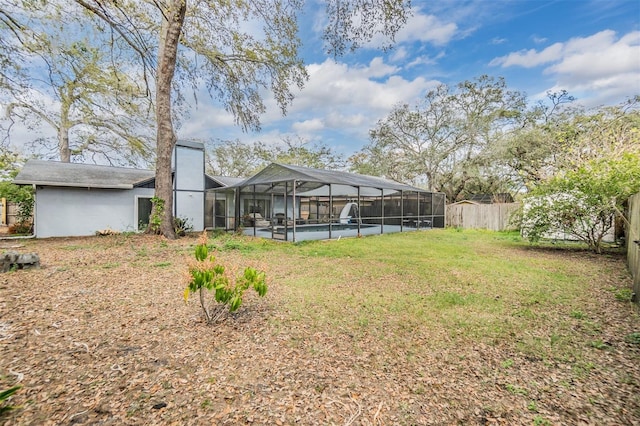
295,203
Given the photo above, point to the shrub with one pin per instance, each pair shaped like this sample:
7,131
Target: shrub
21,228
182,225
205,273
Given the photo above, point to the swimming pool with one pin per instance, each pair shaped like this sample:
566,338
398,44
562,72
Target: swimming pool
320,227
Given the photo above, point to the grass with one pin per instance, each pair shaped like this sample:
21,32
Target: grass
469,285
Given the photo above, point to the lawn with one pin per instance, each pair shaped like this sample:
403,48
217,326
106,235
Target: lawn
432,327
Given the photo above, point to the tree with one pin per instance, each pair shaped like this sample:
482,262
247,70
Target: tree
206,40
583,202
237,159
442,143
233,158
73,85
300,152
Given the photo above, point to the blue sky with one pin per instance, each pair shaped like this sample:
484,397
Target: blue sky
590,48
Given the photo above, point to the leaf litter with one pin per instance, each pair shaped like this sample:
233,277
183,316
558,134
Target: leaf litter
100,336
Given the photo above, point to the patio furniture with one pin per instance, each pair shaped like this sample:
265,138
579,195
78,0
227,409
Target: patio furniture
256,219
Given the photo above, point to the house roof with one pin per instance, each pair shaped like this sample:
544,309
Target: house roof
226,180
55,173
276,173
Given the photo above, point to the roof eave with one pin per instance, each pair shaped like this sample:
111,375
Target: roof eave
74,185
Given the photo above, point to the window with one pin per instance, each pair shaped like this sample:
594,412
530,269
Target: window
143,212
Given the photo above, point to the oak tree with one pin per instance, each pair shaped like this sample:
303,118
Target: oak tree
236,49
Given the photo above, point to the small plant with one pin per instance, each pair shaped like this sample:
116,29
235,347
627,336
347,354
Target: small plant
541,421
577,314
508,363
633,338
624,294
182,225
207,274
599,344
532,406
4,396
516,390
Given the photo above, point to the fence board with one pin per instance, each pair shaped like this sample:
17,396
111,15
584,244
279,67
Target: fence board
12,213
494,217
633,248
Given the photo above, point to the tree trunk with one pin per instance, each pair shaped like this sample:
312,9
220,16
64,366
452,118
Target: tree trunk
63,137
173,19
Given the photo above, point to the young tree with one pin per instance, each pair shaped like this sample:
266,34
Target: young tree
209,41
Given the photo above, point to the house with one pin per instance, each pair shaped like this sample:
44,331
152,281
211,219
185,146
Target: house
282,201
81,199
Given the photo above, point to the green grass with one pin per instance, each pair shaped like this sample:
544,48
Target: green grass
463,285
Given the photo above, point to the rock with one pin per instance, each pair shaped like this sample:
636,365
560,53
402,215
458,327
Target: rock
12,260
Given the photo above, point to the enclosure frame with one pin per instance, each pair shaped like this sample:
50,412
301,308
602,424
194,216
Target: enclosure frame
293,203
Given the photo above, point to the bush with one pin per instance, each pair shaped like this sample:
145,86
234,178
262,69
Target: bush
182,225
21,228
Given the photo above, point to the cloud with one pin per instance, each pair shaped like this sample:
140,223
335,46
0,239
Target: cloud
498,40
603,67
529,58
427,28
376,87
308,126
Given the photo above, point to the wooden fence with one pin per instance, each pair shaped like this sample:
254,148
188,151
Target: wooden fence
8,212
633,243
494,217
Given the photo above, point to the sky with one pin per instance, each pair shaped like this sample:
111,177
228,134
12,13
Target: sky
591,48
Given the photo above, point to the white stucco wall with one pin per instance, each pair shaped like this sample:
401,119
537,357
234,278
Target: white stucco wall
80,211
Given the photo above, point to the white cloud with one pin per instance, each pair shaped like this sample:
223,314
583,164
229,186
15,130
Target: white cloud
602,67
333,85
427,28
399,54
530,58
308,126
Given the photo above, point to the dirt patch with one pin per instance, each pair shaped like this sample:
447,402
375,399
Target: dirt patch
101,335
